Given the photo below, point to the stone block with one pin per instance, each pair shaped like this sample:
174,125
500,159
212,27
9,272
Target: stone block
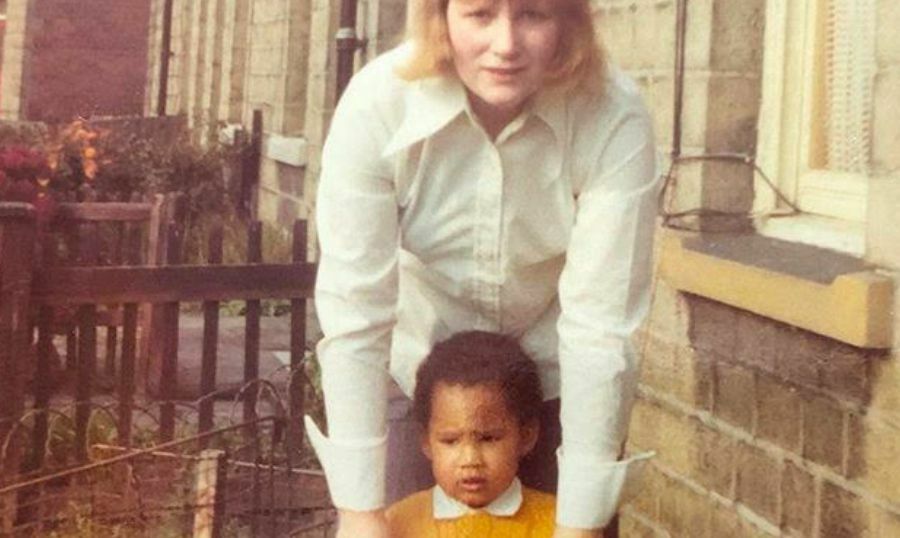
886,120
759,482
758,341
713,326
878,464
696,109
823,432
798,496
737,36
630,527
887,45
675,370
653,23
724,521
844,371
716,462
617,31
800,357
727,186
672,436
855,461
884,523
659,96
652,486
883,221
734,395
668,315
685,192
779,413
698,45
684,512
842,514
885,380
733,113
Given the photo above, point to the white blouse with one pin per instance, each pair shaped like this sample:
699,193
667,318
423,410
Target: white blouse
427,228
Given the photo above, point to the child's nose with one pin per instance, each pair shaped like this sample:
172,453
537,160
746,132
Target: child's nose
471,455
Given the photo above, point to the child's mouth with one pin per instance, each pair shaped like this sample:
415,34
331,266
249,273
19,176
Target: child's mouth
472,484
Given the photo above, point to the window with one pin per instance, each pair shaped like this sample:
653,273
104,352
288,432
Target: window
815,121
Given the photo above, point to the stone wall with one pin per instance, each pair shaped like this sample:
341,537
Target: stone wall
761,429
68,57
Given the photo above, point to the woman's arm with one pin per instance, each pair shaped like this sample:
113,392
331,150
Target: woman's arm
356,290
604,292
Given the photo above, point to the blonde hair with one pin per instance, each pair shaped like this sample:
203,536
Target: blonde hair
580,59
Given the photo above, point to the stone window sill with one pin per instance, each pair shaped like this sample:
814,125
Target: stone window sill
819,290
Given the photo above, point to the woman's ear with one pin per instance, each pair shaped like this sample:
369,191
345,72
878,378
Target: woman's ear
530,433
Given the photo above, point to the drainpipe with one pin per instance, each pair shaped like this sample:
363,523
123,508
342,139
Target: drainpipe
680,33
164,53
347,44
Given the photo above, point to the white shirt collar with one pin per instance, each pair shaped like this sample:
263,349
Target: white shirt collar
506,505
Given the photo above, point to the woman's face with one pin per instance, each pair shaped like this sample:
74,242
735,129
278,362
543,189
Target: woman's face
502,50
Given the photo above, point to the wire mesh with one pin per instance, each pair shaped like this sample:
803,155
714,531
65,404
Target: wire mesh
239,478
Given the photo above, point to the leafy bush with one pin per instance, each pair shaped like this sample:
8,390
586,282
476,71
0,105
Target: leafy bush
103,161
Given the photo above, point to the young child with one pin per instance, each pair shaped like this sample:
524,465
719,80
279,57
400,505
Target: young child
478,399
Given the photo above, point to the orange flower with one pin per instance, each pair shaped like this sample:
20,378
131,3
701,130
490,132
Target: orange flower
90,168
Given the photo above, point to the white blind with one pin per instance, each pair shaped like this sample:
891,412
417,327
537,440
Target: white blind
850,73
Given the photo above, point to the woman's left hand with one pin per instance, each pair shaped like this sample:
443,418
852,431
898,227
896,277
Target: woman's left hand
569,532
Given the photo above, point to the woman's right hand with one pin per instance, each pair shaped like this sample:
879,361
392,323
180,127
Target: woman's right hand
353,524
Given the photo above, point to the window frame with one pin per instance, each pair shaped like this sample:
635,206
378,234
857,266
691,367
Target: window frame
792,59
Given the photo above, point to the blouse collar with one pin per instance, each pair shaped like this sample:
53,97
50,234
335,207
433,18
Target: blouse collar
506,505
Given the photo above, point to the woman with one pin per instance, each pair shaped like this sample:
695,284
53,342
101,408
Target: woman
493,173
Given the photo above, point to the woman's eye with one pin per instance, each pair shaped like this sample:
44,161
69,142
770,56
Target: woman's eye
448,441
479,14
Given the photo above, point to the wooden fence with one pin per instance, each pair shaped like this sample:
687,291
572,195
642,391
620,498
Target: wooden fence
39,295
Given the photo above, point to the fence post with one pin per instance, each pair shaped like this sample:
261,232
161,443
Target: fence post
209,508
17,239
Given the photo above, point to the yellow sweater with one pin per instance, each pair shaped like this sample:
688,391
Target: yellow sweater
413,518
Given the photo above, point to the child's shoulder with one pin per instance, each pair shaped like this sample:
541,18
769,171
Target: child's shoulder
539,507
410,515
538,498
411,504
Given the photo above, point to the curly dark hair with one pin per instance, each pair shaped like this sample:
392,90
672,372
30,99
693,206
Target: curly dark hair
473,358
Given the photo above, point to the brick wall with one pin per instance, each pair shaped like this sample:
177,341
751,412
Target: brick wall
85,58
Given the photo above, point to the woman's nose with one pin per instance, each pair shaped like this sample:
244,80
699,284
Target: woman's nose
505,41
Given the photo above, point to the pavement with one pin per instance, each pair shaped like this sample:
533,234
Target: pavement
274,353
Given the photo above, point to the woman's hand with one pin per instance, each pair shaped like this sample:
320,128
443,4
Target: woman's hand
569,532
361,524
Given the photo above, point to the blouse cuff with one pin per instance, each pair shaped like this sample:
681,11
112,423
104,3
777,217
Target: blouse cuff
353,468
590,490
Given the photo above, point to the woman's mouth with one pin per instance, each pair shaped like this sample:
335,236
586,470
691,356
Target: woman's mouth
504,71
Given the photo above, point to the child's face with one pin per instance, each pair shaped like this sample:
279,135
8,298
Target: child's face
474,442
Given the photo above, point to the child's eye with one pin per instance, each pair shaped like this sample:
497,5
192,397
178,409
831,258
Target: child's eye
535,15
489,438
